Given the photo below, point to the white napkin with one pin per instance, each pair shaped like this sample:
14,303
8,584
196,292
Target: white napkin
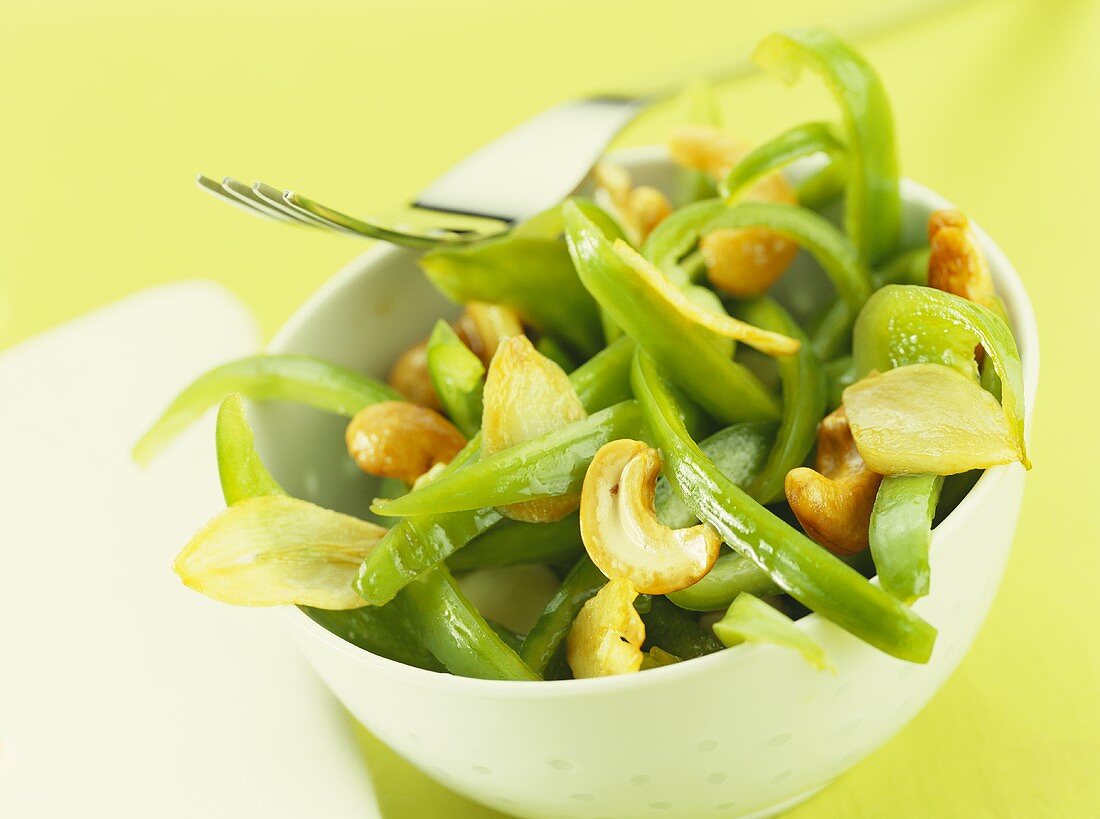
122,693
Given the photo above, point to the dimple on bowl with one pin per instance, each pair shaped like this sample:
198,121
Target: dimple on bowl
746,731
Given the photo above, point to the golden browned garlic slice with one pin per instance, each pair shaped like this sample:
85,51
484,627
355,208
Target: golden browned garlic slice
620,529
527,395
396,439
607,635
278,551
833,501
763,340
927,419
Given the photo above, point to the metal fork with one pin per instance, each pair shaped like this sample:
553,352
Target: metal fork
528,169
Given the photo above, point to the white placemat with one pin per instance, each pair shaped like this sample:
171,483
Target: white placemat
122,693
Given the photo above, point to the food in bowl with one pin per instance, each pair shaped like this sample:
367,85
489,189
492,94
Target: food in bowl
626,404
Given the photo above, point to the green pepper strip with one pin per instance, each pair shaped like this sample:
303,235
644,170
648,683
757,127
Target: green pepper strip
415,545
803,401
739,452
529,270
798,566
556,353
455,633
458,377
676,631
681,231
510,542
382,631
731,574
728,390
288,377
873,202
547,466
790,146
547,636
901,531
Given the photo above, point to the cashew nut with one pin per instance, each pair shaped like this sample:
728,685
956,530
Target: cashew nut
607,635
637,209
396,439
409,377
834,502
956,264
620,529
527,395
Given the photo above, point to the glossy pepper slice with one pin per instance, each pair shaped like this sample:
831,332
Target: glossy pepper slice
547,637
458,377
798,566
790,146
728,390
680,232
288,377
548,466
803,385
873,202
901,532
415,545
751,620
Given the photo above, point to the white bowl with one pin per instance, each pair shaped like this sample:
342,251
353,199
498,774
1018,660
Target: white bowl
746,731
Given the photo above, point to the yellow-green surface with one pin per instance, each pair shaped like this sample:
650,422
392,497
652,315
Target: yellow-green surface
108,108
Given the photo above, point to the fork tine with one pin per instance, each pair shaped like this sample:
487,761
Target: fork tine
246,195
273,197
215,189
349,224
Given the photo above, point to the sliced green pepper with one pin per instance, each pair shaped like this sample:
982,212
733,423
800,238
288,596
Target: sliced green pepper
556,353
901,531
547,466
798,566
728,390
790,146
677,632
510,542
458,377
803,400
873,201
455,633
751,620
286,377
681,231
731,575
739,452
547,636
240,469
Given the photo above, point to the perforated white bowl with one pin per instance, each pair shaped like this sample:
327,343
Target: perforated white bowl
746,731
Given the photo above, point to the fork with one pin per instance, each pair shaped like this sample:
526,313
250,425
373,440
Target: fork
551,154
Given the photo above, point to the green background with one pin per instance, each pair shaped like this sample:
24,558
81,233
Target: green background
107,110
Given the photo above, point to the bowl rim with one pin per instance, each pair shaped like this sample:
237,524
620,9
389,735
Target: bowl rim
1025,328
